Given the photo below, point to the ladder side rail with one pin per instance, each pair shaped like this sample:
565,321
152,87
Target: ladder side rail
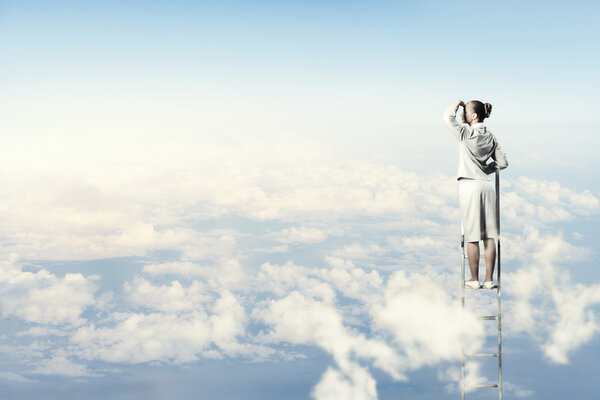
462,302
499,287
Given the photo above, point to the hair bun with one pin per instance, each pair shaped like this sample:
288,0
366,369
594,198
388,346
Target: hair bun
488,109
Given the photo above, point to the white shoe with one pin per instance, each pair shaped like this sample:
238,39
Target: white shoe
473,284
489,285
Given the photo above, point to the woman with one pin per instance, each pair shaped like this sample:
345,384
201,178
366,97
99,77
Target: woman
477,196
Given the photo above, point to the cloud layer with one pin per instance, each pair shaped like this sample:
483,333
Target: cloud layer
270,256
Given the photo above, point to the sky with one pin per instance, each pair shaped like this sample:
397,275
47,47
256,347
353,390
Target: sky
258,200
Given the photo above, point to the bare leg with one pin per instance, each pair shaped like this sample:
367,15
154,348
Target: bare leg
490,259
473,254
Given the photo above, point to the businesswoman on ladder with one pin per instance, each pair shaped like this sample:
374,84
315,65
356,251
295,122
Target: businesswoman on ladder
476,193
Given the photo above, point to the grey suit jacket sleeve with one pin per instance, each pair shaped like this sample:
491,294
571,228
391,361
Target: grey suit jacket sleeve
500,162
500,157
449,117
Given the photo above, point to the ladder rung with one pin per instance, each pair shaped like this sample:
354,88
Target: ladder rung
488,317
487,385
482,355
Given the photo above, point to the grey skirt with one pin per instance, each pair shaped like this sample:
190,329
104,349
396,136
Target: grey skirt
477,199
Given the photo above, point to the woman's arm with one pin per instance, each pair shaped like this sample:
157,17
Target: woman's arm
449,118
500,161
499,156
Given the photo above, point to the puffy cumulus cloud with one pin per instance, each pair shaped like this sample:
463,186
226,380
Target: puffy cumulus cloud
545,303
416,251
168,337
516,390
172,298
224,273
38,331
302,234
310,312
407,299
103,211
474,376
284,279
576,323
111,209
13,376
543,202
519,246
300,319
359,251
452,374
141,338
61,365
339,276
42,297
552,193
354,384
365,313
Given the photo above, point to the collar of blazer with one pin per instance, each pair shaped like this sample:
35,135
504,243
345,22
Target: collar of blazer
477,125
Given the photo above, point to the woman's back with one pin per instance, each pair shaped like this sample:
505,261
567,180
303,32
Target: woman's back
476,145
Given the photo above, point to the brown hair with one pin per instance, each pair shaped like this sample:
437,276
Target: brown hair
482,110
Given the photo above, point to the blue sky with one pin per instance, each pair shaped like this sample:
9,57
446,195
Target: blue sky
258,199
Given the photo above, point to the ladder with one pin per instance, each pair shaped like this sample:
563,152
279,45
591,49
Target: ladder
497,317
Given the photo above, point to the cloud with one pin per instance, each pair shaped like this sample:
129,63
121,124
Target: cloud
364,265
38,331
546,304
518,392
42,297
421,320
61,365
172,298
14,377
225,273
400,338
128,209
169,337
473,377
359,251
354,384
542,202
300,235
299,319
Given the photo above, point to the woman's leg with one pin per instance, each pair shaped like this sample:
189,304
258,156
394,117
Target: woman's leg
490,259
473,254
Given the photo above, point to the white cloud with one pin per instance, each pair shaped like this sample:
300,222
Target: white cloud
542,202
516,390
300,235
299,319
110,209
355,384
169,337
60,365
423,321
360,304
43,297
359,251
225,273
402,337
473,377
38,331
284,279
173,298
547,305
14,377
